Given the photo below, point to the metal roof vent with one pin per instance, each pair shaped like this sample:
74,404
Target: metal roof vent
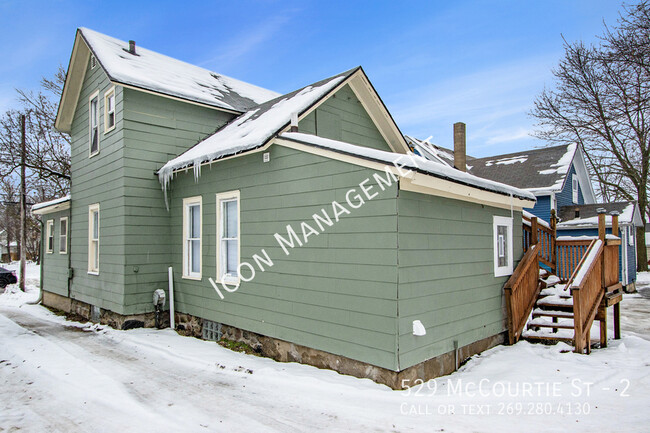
131,49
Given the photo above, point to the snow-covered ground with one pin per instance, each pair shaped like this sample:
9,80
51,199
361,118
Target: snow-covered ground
71,377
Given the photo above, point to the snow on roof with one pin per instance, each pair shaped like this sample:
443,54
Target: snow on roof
589,215
507,161
45,204
162,74
412,161
252,129
537,170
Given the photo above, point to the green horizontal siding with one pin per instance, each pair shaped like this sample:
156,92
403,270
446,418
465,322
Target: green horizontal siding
337,293
342,117
55,264
446,274
97,180
155,129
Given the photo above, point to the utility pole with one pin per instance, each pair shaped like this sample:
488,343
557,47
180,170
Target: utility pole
23,217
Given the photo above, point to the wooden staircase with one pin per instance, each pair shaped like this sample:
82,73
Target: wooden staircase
553,309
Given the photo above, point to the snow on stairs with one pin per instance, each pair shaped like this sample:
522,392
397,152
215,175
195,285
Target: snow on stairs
552,317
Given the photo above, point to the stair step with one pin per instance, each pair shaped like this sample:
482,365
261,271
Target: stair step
548,338
545,323
538,312
555,301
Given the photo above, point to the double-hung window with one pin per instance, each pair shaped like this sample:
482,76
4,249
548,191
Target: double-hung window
228,241
109,110
503,264
192,222
63,235
93,238
49,245
93,124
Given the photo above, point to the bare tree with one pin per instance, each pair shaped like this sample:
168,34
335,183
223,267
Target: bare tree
47,150
601,100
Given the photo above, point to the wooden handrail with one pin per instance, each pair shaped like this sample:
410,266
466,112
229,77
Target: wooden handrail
587,294
521,291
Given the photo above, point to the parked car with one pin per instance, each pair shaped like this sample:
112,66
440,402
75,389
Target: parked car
7,277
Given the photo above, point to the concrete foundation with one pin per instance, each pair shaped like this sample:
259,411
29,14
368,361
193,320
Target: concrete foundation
105,317
284,351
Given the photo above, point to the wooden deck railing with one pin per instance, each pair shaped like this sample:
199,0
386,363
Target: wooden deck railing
521,291
569,254
586,285
539,233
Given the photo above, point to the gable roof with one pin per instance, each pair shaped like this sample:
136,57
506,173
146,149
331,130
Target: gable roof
255,128
588,214
537,170
154,72
411,161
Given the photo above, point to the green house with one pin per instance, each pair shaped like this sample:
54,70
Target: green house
300,224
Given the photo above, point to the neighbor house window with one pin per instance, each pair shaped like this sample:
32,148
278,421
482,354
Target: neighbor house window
50,237
228,236
574,188
192,221
63,235
93,238
93,123
502,227
109,110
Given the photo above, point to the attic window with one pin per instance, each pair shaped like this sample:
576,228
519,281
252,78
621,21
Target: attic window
630,237
93,124
574,188
109,110
93,62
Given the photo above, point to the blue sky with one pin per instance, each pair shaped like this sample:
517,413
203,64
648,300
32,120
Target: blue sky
432,62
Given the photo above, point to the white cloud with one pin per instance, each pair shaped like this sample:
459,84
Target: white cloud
241,45
493,102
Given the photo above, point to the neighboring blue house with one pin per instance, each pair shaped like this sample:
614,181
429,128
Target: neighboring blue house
559,179
582,220
557,176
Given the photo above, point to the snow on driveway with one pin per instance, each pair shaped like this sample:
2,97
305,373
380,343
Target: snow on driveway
65,376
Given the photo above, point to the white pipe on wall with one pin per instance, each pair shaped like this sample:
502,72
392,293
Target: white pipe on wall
172,322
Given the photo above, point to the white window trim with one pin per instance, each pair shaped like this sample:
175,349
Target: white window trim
500,271
630,235
108,93
93,62
187,273
575,188
49,247
61,235
92,208
90,128
225,196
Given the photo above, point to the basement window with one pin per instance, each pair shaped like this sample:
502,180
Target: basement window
109,110
503,263
50,237
63,235
93,239
93,125
192,222
228,237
